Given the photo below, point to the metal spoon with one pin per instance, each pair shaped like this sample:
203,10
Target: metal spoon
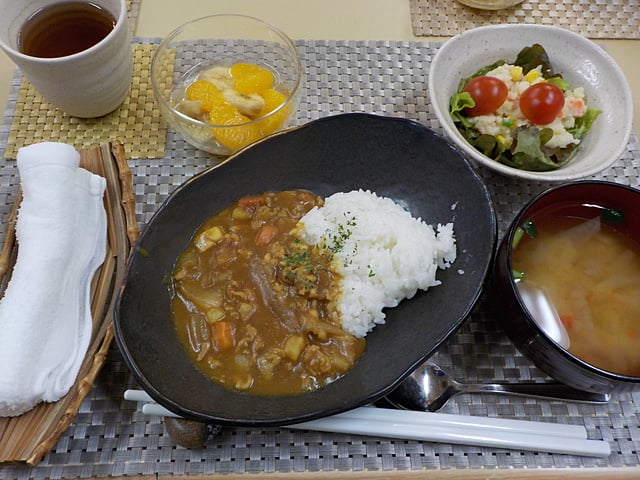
430,388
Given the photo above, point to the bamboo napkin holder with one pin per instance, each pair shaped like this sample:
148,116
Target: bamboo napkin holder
29,437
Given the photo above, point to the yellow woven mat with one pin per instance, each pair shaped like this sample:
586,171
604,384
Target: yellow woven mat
137,122
613,19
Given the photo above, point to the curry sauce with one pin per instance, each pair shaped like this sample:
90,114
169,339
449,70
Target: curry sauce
255,306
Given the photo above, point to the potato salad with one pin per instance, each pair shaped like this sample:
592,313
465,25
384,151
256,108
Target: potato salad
522,114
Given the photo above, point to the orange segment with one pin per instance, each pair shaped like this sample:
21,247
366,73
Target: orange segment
234,138
250,78
237,137
244,69
273,99
205,92
226,114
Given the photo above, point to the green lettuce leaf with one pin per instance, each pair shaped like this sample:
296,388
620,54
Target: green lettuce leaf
584,123
533,57
559,82
457,104
527,153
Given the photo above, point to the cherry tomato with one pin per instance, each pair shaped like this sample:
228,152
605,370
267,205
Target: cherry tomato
541,103
488,93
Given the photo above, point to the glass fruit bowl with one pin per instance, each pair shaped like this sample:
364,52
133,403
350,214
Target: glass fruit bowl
226,81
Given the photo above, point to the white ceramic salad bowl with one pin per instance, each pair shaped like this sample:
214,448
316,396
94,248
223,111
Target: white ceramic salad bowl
580,61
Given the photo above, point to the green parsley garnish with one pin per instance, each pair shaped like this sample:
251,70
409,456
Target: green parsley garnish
338,240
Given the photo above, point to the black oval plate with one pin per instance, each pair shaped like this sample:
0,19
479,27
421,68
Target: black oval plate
393,157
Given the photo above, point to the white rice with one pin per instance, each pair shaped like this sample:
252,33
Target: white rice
383,253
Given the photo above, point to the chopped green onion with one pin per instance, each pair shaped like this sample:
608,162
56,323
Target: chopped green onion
517,274
517,236
612,215
529,227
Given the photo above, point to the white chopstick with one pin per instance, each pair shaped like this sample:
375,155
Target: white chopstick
440,427
457,422
429,419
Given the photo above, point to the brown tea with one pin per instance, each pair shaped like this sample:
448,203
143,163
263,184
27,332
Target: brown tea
64,29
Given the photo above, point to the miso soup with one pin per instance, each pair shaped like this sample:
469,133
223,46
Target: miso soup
589,267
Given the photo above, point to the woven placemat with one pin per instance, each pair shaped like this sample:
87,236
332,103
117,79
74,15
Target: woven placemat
111,437
137,123
612,19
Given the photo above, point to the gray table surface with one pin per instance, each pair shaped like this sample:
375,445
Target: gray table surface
111,437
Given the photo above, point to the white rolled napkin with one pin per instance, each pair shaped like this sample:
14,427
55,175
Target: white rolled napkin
45,314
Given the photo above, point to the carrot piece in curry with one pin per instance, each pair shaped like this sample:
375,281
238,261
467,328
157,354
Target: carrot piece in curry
223,335
252,201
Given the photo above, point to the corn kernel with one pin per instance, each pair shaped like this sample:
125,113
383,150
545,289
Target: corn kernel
502,141
532,75
516,73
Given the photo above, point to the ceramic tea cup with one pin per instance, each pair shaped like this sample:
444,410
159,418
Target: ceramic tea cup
84,77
